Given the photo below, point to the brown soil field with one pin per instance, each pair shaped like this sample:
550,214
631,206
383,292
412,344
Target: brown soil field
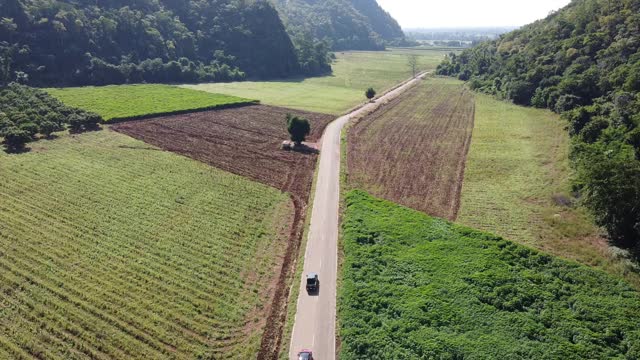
246,141
412,151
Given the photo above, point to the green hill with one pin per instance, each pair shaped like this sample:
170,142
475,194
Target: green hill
345,24
114,41
584,62
416,287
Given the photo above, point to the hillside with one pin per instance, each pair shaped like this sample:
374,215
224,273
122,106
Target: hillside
111,42
345,24
583,62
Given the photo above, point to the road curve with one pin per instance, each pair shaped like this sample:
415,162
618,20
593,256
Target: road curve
315,321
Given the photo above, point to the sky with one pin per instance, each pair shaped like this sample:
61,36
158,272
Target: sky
469,13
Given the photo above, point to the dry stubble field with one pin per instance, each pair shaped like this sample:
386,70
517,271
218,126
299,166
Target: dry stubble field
412,151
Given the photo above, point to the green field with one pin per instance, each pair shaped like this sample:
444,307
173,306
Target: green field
353,72
111,249
517,185
416,287
121,102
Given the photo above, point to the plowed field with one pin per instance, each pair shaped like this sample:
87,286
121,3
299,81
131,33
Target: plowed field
246,141
412,151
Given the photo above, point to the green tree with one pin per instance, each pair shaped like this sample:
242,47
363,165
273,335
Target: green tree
298,128
370,93
15,138
412,61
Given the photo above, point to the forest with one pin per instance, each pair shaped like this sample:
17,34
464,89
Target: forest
583,62
98,42
342,24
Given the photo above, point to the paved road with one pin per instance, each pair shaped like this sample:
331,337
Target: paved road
315,325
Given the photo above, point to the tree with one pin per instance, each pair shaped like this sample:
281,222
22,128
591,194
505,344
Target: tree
15,138
298,128
412,61
370,93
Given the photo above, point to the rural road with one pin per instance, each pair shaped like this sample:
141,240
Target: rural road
315,321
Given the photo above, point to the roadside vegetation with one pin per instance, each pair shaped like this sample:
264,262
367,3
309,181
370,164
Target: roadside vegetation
420,287
517,184
126,102
583,62
113,249
353,73
27,114
412,150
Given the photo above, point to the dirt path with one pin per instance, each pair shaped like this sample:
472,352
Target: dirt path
315,322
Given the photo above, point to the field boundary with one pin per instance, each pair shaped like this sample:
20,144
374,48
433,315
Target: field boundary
181,112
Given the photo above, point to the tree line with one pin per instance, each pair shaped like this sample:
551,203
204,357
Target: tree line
80,42
584,63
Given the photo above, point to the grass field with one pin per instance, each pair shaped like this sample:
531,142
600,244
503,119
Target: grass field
412,151
517,184
416,287
111,249
123,102
353,73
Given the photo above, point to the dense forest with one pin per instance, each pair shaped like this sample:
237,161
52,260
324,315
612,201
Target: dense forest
342,24
583,62
78,42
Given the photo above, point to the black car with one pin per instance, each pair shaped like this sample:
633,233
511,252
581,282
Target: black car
313,284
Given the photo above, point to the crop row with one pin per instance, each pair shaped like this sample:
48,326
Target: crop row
111,252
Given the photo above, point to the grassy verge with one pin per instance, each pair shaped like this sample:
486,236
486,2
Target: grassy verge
517,185
127,102
420,287
353,72
110,248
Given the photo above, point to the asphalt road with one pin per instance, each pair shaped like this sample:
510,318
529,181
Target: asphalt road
315,322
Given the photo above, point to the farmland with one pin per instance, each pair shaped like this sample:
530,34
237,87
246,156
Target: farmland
112,249
353,72
420,287
136,101
517,185
412,151
245,141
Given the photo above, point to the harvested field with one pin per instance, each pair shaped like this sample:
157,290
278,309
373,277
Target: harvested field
246,141
412,151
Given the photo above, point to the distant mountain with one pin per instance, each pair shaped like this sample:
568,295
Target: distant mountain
345,24
77,42
582,61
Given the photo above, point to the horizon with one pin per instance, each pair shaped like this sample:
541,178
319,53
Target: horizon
415,14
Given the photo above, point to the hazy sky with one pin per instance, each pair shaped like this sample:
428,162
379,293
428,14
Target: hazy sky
468,13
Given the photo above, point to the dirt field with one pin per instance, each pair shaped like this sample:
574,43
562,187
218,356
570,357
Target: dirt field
413,150
246,141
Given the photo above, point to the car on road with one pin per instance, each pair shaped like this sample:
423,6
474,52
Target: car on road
313,283
305,355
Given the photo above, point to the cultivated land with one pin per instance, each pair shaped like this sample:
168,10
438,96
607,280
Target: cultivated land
517,185
123,102
112,249
353,72
245,141
420,287
412,151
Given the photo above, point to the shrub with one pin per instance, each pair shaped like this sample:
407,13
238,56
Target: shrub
15,138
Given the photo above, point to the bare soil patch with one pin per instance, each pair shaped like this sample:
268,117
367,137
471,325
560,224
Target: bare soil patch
412,151
246,141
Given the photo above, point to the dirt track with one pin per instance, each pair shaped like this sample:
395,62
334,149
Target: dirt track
246,141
